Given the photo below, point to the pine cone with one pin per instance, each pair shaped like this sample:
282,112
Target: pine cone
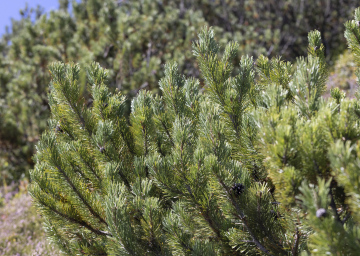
238,188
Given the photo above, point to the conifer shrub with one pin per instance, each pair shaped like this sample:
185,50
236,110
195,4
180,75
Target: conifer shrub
253,163
133,40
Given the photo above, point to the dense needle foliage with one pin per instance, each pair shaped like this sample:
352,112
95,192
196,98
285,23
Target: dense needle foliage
254,162
133,40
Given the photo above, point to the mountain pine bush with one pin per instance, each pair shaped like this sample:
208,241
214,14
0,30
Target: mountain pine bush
252,163
133,40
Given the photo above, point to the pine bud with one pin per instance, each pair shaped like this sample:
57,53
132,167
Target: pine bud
238,188
321,213
316,48
102,150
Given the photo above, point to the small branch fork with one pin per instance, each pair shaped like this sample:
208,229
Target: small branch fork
294,250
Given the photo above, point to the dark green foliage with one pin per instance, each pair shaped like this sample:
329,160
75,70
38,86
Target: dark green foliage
304,141
254,163
133,40
161,185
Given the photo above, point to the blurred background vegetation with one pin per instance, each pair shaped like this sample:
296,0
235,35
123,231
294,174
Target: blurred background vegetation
134,39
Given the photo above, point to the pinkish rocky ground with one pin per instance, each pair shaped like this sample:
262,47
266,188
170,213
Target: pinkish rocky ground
21,233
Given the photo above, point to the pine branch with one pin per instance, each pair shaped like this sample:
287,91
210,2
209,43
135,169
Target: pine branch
242,217
167,132
296,243
92,211
89,167
208,219
333,206
75,221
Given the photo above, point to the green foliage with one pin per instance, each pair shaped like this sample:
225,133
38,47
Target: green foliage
309,147
254,163
163,184
133,40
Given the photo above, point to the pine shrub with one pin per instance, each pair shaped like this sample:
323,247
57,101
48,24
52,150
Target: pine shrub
255,162
133,40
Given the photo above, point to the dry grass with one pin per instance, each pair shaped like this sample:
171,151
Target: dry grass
20,226
343,75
